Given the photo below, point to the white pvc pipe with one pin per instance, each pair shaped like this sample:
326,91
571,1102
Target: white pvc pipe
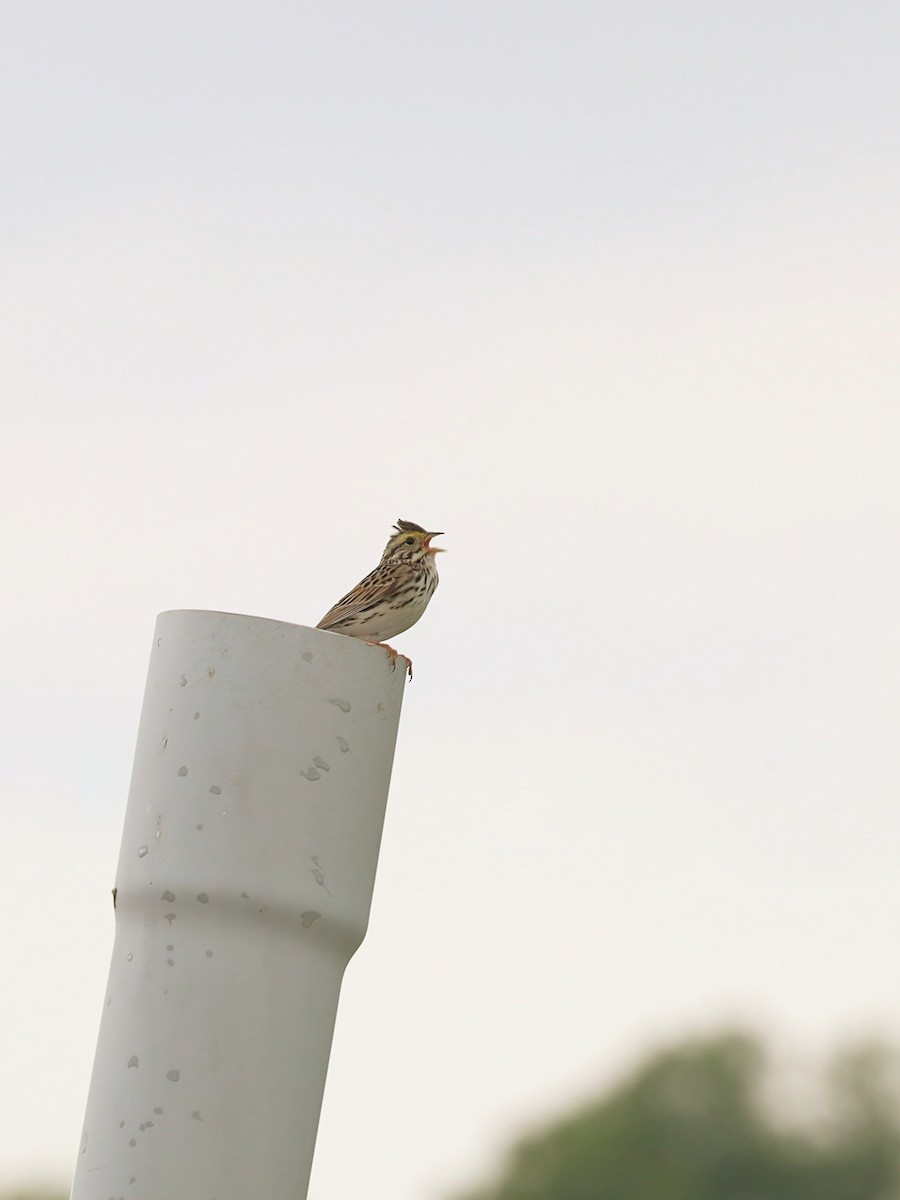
244,884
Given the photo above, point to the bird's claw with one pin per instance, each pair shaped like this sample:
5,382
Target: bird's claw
392,654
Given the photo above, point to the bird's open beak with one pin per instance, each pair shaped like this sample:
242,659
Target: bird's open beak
434,549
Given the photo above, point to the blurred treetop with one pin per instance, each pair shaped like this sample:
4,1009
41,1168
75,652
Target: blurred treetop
692,1123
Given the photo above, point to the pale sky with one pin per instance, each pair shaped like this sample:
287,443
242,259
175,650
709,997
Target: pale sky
609,293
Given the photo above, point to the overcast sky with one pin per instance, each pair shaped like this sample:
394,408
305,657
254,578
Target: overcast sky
611,294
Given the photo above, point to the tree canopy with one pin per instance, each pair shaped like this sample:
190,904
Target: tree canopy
693,1122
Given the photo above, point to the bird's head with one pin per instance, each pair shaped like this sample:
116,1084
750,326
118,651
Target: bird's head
411,543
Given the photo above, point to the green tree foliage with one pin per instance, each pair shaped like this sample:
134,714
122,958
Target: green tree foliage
692,1123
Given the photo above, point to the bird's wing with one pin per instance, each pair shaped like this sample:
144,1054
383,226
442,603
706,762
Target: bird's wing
379,585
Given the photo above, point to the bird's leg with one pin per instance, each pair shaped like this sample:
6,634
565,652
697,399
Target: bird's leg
393,655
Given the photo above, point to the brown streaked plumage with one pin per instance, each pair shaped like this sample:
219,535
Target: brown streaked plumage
392,597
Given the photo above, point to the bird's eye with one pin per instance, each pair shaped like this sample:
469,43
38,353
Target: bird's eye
410,541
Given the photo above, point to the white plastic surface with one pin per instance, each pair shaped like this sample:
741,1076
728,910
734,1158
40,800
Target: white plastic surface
244,884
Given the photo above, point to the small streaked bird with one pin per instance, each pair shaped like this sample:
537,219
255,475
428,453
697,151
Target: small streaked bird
393,596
